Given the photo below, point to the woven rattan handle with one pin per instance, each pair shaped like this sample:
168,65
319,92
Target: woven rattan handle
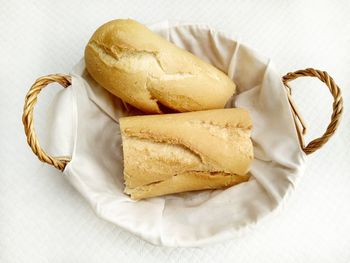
27,118
337,107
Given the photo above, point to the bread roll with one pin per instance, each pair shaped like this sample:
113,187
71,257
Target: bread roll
173,153
148,72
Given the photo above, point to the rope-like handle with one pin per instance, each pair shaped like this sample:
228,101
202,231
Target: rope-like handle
337,107
27,118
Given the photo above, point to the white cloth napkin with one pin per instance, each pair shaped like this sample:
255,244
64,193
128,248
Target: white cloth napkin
85,126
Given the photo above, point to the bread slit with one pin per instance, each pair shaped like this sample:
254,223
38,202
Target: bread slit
212,148
189,181
123,55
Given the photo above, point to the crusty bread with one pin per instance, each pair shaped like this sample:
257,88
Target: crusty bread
148,72
173,153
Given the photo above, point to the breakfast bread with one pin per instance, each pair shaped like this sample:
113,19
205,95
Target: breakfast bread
179,152
150,73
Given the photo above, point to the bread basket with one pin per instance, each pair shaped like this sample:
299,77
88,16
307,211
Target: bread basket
174,220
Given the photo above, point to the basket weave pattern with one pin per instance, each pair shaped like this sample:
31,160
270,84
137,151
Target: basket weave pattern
337,107
27,118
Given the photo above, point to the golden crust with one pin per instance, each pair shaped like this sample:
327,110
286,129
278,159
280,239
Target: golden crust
166,151
145,70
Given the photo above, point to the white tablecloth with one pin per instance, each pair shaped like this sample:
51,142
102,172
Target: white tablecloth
43,219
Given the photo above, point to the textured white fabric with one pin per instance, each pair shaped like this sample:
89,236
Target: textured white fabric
44,219
96,168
